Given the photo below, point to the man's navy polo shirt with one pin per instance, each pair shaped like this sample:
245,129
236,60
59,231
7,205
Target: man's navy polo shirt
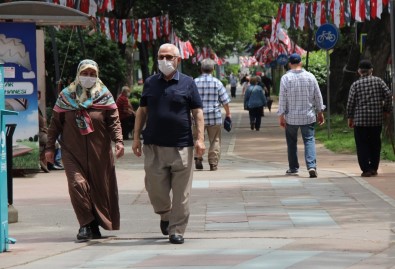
169,105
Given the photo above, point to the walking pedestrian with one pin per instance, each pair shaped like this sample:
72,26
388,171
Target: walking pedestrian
369,101
167,102
126,112
233,85
85,119
300,107
255,100
213,95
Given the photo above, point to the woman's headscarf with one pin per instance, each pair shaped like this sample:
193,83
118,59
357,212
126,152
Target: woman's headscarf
77,98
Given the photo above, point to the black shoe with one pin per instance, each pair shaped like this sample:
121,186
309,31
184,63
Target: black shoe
252,126
84,233
198,163
164,227
95,230
176,239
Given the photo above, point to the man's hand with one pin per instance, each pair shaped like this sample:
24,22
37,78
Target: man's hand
136,147
282,121
320,118
350,123
200,147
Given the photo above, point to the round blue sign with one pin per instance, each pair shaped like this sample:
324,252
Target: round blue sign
282,59
326,36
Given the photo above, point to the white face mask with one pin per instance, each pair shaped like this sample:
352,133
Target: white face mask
87,82
166,67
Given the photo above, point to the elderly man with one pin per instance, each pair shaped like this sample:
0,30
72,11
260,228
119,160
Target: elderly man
369,101
168,100
213,94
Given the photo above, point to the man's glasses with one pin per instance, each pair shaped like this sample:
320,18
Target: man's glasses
167,57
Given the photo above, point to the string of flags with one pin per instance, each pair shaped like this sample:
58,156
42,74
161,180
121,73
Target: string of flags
139,30
339,12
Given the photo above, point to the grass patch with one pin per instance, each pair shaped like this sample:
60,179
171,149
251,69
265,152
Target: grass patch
341,138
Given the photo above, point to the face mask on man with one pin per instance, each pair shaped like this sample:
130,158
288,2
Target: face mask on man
87,82
166,67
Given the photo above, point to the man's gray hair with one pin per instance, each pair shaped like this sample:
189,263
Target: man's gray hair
207,65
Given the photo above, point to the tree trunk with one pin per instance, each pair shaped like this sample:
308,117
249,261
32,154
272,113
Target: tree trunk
144,57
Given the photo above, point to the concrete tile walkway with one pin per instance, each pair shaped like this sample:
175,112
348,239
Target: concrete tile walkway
248,214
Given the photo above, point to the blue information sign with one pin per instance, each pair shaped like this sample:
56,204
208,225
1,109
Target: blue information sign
326,36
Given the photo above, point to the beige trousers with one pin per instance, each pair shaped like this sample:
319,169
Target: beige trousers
214,138
168,181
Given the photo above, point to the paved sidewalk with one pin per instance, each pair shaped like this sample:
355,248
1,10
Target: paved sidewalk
248,214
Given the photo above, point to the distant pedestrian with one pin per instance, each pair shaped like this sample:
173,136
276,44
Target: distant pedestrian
168,100
213,95
369,101
233,84
255,100
300,107
126,112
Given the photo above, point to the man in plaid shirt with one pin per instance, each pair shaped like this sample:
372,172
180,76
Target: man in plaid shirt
369,101
213,95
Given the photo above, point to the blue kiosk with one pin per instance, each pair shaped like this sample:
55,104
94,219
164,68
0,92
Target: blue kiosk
4,239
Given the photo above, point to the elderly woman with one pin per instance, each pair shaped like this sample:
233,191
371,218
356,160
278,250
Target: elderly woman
255,100
85,117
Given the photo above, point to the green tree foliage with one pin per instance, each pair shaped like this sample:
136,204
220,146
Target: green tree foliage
70,52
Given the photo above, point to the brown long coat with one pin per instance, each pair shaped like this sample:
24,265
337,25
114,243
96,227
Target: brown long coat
89,165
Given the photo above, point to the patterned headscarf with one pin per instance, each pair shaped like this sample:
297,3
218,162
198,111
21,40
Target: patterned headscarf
77,98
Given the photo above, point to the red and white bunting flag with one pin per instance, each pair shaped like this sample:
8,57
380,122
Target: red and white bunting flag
92,8
136,29
112,28
336,12
166,25
70,3
357,10
84,6
373,9
107,27
159,26
353,7
342,13
296,15
379,8
129,27
318,10
139,30
302,15
273,33
287,15
190,48
362,10
110,5
323,12
124,32
143,30
153,24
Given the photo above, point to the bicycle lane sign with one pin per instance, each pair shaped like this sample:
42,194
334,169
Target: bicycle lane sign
326,36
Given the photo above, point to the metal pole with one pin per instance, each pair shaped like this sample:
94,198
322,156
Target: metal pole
392,14
328,104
